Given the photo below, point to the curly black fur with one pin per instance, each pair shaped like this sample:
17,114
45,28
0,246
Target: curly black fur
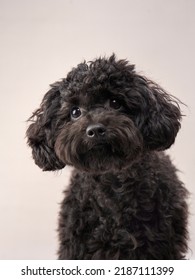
125,200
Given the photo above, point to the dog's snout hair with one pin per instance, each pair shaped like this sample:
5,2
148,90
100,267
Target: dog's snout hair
112,125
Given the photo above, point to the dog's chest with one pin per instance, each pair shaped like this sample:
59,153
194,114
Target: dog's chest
116,199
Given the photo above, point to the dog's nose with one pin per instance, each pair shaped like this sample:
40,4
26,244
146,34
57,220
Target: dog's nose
96,130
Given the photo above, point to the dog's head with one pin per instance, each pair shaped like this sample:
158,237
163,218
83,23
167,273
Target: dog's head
102,116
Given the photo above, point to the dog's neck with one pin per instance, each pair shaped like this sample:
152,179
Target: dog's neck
133,170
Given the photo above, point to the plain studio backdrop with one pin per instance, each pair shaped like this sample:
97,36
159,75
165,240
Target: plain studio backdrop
41,40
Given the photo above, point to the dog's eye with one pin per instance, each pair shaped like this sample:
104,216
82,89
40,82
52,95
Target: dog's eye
75,112
115,104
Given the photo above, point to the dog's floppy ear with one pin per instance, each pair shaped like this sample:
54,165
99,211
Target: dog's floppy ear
161,116
41,132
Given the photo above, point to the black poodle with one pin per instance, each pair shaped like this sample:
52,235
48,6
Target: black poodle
125,200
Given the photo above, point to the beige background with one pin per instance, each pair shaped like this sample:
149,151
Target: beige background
40,41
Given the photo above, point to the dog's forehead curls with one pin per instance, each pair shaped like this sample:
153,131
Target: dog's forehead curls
94,75
103,116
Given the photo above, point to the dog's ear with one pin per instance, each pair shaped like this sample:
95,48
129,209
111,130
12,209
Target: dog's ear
41,132
161,116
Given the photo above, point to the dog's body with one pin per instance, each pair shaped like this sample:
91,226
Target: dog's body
125,200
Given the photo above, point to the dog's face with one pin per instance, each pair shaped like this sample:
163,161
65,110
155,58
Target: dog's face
98,132
102,117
